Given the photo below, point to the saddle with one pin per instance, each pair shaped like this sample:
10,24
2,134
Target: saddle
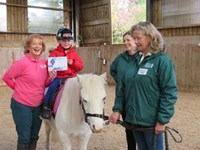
55,98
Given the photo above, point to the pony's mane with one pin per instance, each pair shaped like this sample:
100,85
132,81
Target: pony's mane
93,79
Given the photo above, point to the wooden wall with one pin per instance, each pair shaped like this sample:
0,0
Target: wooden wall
97,51
184,52
96,59
175,30
17,16
95,22
157,13
187,63
11,49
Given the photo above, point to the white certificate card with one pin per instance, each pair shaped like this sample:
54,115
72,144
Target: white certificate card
57,63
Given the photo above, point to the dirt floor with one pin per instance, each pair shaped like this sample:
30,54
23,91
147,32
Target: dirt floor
186,120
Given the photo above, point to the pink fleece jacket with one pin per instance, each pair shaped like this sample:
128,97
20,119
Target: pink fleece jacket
28,78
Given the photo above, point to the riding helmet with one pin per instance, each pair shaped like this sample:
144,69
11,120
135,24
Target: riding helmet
61,32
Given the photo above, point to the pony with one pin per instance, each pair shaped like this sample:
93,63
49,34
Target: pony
80,112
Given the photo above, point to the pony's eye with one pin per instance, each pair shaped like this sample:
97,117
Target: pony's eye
85,101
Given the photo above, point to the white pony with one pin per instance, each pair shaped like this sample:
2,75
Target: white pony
80,112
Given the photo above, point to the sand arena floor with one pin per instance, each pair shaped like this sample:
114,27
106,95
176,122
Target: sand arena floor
186,120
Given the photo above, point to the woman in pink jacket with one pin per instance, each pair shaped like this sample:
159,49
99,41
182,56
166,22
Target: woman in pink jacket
28,78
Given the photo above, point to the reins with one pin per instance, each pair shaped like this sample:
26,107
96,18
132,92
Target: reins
167,130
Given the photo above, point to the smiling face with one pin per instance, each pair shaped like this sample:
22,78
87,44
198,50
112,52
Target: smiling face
36,47
66,43
129,43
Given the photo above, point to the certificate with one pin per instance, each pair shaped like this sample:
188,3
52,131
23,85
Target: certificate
57,63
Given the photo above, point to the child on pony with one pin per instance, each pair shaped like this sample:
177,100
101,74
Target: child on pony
75,64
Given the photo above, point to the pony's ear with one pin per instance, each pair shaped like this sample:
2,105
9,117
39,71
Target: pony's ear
104,76
79,78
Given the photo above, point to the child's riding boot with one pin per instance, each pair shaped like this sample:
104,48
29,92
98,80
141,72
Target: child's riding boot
46,112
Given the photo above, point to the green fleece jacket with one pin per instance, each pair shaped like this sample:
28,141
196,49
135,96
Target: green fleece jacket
118,66
149,90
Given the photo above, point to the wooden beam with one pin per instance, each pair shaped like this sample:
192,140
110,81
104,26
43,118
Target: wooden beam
30,6
96,22
95,4
23,33
98,40
175,27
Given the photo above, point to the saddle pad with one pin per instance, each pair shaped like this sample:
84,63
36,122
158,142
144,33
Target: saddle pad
57,101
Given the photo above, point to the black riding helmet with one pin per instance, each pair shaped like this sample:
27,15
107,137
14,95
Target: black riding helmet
61,32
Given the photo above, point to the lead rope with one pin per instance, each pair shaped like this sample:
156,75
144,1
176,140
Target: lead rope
167,129
166,141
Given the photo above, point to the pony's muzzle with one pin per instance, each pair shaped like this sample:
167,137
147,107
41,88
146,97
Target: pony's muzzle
94,130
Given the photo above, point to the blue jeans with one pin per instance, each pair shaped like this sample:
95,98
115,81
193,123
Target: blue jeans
27,121
149,140
52,87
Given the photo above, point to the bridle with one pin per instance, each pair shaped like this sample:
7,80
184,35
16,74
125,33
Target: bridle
105,118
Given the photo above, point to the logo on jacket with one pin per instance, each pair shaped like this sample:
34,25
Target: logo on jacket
43,66
148,65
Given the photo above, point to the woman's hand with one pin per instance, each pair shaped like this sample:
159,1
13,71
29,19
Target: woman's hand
114,117
52,74
159,128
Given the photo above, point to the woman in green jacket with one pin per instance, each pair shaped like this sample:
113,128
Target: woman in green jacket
117,69
149,88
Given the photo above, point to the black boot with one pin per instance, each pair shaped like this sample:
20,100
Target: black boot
46,112
32,146
22,148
